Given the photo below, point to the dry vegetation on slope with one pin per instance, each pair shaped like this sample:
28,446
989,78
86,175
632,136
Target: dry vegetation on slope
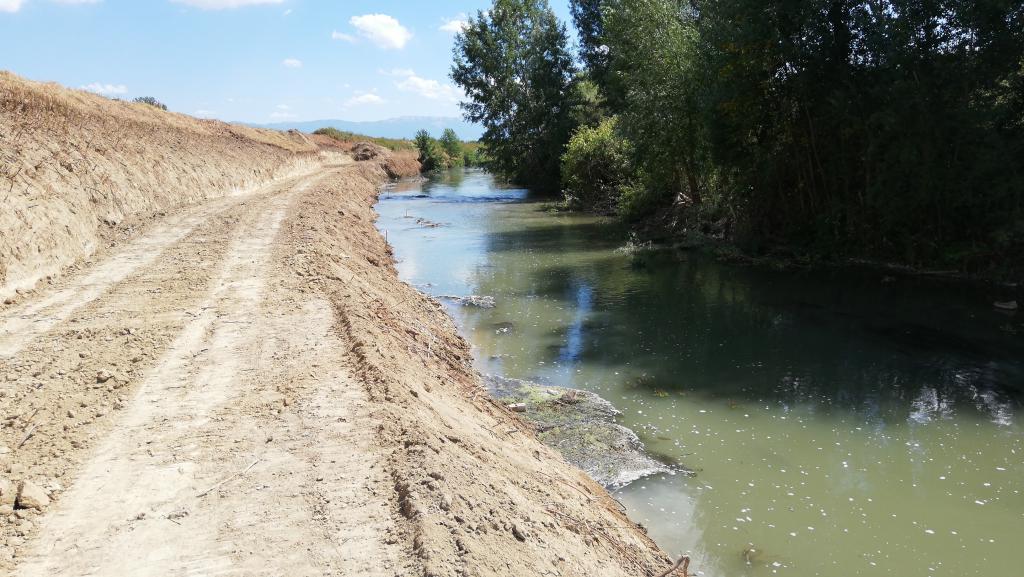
73,165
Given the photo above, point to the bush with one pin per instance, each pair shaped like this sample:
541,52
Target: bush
151,102
452,147
596,167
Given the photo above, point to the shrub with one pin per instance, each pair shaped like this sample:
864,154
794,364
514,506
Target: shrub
452,146
596,167
151,102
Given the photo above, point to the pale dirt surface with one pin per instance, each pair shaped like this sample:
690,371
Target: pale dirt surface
279,404
74,164
208,366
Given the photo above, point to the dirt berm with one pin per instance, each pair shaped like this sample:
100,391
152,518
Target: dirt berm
236,382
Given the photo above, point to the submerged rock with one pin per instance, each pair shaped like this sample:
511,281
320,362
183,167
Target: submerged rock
482,301
581,425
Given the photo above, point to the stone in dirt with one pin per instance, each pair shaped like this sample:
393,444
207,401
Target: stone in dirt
32,496
103,376
8,492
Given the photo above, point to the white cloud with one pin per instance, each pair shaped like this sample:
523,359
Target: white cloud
100,88
425,87
396,72
15,5
279,115
454,25
339,36
223,4
382,30
292,63
287,12
10,5
364,98
204,113
283,107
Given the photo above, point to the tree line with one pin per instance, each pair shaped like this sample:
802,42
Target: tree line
881,129
446,152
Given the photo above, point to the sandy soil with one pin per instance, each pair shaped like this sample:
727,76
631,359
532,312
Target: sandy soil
274,401
227,377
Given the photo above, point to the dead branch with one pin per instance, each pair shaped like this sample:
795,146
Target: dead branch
231,478
684,561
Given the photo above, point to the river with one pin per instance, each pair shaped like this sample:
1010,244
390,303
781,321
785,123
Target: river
839,422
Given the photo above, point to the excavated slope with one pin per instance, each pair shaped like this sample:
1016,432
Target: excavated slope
73,165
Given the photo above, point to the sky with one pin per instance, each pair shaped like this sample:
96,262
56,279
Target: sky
256,61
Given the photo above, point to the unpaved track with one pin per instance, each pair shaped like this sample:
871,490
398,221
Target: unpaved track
244,447
246,388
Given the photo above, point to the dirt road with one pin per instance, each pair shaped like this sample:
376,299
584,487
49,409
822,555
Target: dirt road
245,388
212,466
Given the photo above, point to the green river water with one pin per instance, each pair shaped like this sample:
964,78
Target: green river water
840,423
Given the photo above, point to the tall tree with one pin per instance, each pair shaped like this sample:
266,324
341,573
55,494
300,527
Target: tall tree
514,66
588,17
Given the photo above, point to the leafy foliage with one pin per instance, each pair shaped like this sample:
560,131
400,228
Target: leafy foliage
887,129
597,166
514,65
447,151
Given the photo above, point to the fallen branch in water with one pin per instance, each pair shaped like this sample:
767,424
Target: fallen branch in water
684,561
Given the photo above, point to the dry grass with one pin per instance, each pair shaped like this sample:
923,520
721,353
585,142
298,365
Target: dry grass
47,102
74,163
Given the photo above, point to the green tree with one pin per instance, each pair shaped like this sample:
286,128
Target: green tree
514,66
452,146
597,167
432,154
654,47
588,18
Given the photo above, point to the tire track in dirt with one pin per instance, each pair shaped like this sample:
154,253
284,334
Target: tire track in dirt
249,392
23,324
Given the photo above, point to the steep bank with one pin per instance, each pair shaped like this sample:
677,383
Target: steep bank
74,166
481,495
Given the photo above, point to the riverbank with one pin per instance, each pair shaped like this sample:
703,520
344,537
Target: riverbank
239,383
824,413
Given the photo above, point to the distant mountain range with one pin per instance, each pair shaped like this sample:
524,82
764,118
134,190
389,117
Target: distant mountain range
401,127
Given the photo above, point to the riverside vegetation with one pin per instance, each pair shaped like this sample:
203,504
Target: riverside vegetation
884,130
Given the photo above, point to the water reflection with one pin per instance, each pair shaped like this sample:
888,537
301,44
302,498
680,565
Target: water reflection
842,423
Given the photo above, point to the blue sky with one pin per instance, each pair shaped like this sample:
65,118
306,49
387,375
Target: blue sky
247,60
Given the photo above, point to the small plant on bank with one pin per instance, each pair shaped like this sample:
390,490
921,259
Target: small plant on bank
151,102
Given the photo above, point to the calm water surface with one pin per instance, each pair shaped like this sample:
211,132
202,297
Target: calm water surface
840,423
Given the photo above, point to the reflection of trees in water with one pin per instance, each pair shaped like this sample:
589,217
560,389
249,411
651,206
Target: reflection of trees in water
738,333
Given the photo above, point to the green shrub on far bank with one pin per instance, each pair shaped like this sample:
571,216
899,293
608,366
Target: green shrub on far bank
597,167
446,152
346,136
